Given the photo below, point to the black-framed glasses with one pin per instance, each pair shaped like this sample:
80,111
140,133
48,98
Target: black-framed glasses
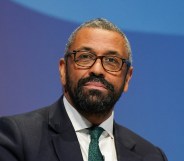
86,59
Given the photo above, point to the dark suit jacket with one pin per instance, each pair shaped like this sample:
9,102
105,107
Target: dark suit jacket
48,135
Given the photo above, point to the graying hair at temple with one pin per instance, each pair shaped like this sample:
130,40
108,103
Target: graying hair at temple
100,23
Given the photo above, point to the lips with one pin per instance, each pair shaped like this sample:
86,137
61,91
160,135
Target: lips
95,85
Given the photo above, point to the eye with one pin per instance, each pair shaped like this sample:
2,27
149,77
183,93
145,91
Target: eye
113,60
83,55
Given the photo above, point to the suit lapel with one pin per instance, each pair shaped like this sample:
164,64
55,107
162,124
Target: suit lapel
64,137
124,145
67,148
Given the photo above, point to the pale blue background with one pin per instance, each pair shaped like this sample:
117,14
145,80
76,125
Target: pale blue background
32,39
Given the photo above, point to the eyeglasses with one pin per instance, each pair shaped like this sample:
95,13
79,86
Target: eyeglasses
86,59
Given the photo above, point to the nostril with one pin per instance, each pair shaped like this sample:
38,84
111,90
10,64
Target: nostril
99,75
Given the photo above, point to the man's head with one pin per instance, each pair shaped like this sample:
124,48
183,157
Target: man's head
96,69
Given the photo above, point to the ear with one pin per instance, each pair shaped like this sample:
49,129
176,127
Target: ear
128,78
62,71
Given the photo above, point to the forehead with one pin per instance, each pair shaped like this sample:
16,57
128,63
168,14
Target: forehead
99,40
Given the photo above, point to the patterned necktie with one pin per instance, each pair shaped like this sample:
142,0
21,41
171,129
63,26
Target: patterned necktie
94,153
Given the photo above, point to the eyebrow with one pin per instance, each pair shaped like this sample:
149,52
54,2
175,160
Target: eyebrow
112,52
85,48
109,52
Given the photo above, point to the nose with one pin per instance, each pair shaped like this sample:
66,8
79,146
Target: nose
97,68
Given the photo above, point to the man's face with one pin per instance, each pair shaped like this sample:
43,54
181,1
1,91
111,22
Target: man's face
94,90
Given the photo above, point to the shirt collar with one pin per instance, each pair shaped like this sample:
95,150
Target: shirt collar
79,122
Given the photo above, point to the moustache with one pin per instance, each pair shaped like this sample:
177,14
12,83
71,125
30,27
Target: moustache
94,78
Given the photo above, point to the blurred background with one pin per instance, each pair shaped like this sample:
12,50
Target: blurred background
33,35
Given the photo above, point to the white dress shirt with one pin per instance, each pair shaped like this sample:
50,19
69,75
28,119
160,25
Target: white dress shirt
80,124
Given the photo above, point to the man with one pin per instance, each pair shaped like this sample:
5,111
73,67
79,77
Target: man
94,73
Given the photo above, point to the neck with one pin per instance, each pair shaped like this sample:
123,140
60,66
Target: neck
97,119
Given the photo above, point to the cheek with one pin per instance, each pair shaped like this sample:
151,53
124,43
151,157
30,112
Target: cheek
119,84
74,75
117,81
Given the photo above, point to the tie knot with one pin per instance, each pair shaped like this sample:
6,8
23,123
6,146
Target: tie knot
95,132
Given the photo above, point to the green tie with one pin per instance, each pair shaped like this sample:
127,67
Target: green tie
94,153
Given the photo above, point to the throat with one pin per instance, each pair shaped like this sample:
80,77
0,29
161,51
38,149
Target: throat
97,119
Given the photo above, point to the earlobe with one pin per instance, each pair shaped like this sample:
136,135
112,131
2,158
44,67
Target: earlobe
62,71
127,79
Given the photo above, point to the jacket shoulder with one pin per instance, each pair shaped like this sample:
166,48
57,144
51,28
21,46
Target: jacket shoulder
24,134
137,144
